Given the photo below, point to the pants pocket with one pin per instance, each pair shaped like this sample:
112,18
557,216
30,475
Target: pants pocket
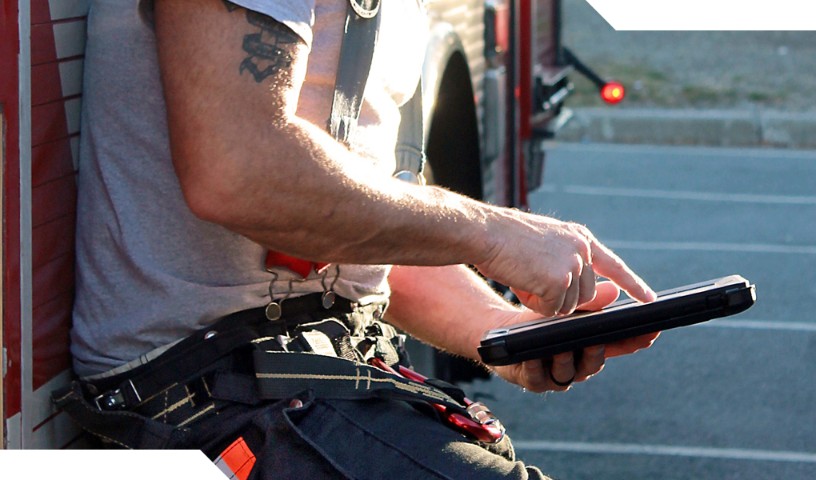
377,439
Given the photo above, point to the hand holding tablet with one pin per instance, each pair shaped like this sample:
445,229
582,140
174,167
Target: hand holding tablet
673,308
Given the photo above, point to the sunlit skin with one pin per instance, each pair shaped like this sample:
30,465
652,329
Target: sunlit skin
240,152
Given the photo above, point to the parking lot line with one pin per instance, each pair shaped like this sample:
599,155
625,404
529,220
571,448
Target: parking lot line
713,247
665,450
681,195
661,152
769,325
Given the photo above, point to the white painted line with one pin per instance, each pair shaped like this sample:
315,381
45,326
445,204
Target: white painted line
73,109
61,9
713,247
14,435
768,325
71,77
69,38
685,151
58,432
26,271
682,195
41,406
666,450
75,151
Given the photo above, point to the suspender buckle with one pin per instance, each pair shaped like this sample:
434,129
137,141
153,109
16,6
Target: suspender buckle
113,400
118,399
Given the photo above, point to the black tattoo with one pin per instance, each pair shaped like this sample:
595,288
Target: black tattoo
231,7
267,50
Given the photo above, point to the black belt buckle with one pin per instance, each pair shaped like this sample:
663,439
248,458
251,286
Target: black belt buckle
116,399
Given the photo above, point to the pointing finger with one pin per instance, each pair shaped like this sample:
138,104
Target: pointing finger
606,263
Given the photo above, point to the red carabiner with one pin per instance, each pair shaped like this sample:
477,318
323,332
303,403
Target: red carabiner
297,265
480,423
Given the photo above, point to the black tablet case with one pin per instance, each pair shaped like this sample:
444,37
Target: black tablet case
673,308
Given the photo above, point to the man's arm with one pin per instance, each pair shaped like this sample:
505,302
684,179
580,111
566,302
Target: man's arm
247,162
451,308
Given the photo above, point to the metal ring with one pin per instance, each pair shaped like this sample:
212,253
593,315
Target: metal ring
561,384
361,10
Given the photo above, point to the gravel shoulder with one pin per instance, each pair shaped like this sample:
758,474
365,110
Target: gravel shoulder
742,78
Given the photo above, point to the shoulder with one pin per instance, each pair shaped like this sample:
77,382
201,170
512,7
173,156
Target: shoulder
297,15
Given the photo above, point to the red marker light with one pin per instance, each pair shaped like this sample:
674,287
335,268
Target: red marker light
612,92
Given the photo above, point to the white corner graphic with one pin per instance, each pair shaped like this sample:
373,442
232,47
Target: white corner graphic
706,14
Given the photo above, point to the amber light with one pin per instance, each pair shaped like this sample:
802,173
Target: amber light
612,92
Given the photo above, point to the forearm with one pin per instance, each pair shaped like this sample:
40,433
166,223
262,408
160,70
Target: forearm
449,307
246,161
311,197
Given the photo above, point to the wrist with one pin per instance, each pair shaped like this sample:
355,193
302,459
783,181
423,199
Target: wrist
499,317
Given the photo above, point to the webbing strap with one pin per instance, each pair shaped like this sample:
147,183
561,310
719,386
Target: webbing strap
178,367
356,54
285,374
126,429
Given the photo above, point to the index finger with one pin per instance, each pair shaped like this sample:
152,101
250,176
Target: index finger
607,263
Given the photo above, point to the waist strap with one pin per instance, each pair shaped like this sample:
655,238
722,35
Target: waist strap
285,374
204,347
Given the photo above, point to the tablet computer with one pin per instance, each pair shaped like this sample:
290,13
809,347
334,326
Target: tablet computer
626,318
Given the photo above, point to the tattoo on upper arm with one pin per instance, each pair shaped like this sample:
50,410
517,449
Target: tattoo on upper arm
269,49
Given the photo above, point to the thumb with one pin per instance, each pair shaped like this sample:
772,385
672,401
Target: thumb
605,293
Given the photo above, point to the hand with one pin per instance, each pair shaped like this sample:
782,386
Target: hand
559,372
551,265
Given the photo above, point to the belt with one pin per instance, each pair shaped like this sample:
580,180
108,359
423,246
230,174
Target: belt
230,363
187,357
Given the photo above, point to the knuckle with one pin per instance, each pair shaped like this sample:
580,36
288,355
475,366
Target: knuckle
566,280
563,359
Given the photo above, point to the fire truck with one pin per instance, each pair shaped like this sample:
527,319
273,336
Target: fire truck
495,80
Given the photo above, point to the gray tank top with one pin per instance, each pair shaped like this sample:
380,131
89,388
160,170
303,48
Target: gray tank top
148,271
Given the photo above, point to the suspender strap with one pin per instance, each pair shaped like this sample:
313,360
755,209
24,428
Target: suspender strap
356,53
285,374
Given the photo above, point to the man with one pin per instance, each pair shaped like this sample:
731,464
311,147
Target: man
204,148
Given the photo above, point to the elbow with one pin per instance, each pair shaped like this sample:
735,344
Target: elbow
209,192
204,204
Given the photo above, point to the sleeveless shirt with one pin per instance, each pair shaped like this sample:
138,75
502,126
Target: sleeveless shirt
148,271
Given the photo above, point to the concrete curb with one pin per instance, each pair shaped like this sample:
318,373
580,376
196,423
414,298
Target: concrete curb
722,128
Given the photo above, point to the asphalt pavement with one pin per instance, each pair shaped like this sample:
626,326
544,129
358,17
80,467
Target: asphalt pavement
729,399
732,398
